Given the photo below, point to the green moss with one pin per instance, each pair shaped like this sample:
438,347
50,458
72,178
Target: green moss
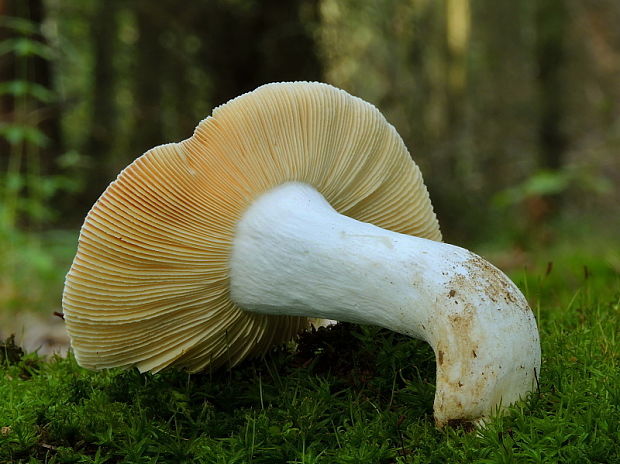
349,394
374,404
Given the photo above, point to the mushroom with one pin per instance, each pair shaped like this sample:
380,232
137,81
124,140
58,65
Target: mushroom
291,203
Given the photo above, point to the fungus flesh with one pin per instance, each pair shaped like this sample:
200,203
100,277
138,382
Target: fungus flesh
292,202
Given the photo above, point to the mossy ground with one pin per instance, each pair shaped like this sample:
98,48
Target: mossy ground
347,394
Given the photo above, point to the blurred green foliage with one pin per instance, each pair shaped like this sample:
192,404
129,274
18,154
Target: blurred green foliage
494,99
25,188
512,110
32,271
500,103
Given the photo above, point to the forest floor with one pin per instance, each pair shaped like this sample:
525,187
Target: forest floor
344,394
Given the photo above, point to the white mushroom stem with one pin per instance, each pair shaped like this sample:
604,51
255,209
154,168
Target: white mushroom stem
294,254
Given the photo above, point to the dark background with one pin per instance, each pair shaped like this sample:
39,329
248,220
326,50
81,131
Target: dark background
510,108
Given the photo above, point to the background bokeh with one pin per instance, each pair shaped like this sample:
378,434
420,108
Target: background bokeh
511,109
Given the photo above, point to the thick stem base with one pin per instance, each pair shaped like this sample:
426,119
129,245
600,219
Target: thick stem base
294,254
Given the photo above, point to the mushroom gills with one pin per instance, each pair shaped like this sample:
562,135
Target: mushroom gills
293,254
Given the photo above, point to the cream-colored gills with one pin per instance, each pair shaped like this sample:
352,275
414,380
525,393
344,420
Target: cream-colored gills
149,286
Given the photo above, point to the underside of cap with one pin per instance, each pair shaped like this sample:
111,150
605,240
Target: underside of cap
149,286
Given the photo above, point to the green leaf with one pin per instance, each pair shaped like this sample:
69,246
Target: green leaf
546,183
13,181
71,159
23,46
541,183
35,209
21,88
16,134
20,25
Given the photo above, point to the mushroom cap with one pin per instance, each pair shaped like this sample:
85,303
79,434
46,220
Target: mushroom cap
149,285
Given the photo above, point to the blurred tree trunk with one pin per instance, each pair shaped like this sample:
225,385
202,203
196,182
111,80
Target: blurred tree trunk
151,62
551,22
287,49
102,134
237,47
448,67
32,144
241,46
457,45
34,69
6,74
244,47
41,73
